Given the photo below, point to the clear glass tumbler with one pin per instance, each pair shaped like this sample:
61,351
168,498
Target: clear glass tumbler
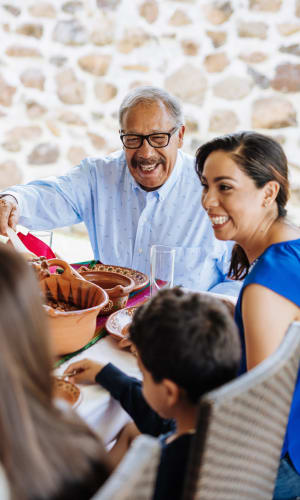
162,261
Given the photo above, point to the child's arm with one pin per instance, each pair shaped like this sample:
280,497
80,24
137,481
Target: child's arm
127,390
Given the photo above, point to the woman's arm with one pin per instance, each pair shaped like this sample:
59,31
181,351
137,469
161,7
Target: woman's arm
266,317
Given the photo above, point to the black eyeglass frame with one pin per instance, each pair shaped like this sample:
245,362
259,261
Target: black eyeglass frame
143,137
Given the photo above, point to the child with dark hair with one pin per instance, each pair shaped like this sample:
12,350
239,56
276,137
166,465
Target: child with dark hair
187,344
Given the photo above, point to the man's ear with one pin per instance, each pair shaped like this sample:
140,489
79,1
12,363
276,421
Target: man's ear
180,136
172,392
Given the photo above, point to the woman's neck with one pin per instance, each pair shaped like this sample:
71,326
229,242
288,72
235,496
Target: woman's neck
275,232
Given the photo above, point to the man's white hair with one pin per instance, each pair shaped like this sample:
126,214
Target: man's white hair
148,95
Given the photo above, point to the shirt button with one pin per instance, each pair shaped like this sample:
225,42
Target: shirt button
140,250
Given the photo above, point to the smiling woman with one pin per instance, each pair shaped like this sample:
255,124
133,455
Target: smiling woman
245,190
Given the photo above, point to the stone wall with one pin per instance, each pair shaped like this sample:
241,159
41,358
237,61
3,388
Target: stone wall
65,67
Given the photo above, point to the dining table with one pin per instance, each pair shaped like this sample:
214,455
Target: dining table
95,405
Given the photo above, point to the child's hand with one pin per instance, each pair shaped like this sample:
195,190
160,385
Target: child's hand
84,370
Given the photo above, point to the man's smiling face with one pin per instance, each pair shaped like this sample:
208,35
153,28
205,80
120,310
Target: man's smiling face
149,166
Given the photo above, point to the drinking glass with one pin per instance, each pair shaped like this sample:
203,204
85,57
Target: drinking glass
162,259
45,236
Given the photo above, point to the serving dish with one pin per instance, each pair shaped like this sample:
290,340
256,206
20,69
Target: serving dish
118,286
71,330
117,324
140,279
66,390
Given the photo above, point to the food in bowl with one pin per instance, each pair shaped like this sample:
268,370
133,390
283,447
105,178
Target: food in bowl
61,305
40,266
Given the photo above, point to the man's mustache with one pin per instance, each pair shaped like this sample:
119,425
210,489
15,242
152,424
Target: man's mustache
137,160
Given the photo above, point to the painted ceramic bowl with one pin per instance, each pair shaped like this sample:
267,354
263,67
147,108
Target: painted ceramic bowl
72,305
64,389
117,286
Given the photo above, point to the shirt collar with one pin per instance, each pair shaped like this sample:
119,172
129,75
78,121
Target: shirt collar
162,192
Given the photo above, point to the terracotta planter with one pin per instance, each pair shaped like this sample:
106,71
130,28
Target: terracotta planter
71,330
116,285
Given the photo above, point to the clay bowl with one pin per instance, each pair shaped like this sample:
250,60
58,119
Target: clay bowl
71,330
116,285
63,389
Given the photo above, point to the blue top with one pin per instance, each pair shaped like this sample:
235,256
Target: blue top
278,269
123,220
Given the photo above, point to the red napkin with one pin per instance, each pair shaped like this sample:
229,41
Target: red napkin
36,246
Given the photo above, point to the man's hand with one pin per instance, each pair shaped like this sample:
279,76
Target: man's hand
84,370
9,213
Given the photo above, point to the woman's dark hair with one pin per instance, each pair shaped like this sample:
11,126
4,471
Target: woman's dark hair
43,450
263,160
189,338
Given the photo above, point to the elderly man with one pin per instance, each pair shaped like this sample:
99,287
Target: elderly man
146,194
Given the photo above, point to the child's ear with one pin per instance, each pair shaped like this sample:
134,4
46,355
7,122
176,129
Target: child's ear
172,392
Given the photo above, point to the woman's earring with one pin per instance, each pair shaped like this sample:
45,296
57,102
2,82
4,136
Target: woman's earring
265,203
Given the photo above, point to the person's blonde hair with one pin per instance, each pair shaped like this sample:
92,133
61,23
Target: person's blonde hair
42,449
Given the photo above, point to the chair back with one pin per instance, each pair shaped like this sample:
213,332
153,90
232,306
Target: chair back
135,476
241,427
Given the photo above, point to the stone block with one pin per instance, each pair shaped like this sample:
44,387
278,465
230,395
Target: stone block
188,83
218,38
97,140
179,18
233,88
33,77
252,29
105,91
265,5
97,64
21,51
10,174
223,121
287,78
6,93
218,12
70,32
76,154
216,63
132,39
44,154
42,9
189,47
149,11
31,29
273,113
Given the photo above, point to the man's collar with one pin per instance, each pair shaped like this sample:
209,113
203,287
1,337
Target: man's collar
162,192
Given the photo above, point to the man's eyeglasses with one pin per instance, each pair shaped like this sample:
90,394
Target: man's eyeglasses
156,140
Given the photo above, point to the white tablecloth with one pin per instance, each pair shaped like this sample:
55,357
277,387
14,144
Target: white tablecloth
97,407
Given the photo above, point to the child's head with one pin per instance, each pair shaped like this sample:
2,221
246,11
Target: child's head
189,339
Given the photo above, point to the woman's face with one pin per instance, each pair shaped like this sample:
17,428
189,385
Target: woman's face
232,201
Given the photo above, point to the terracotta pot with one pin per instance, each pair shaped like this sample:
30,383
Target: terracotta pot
116,285
71,330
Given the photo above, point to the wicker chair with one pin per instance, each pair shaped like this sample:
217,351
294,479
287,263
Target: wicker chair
134,478
240,430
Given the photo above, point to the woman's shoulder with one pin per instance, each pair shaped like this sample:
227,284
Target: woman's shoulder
278,269
283,250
